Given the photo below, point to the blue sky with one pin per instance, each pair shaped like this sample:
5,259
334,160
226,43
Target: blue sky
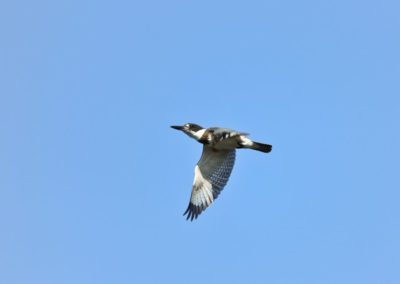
93,182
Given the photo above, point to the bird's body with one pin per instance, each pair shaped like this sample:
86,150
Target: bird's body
216,163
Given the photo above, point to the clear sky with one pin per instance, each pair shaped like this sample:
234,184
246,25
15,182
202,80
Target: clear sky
93,182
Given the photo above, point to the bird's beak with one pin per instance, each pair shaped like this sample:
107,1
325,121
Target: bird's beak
177,127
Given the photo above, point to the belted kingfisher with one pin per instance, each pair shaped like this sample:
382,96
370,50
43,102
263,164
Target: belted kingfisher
216,163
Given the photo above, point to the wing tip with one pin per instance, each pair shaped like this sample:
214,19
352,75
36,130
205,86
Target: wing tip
193,212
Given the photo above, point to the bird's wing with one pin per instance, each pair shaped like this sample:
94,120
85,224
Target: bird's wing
210,177
225,133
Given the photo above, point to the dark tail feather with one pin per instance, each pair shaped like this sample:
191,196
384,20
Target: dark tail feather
265,148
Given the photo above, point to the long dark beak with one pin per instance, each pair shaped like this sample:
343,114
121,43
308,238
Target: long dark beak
177,127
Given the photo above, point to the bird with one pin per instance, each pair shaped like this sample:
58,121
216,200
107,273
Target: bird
215,166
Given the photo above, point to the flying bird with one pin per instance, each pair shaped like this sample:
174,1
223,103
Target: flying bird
216,163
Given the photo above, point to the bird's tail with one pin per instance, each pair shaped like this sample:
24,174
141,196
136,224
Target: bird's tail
265,148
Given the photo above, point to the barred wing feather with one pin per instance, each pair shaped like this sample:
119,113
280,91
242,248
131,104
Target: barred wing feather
211,174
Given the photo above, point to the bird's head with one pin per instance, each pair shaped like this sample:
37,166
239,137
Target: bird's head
193,130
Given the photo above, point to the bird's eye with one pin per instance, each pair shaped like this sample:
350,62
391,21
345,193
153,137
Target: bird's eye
187,125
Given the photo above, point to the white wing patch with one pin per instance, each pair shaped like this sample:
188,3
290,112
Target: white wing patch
203,189
211,175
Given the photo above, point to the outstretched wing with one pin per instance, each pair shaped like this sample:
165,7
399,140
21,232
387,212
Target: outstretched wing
210,177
